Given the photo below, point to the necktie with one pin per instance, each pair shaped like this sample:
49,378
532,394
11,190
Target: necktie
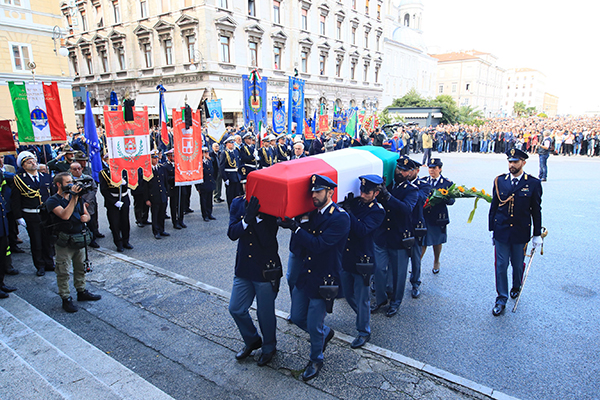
35,178
514,182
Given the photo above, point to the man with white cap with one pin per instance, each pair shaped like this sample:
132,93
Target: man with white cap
32,188
229,163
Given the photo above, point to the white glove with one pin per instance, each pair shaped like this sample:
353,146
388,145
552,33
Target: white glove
227,182
119,204
492,237
537,241
22,222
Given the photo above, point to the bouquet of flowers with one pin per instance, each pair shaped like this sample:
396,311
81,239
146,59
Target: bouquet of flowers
454,192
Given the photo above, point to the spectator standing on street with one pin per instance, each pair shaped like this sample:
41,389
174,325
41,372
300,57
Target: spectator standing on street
427,146
544,152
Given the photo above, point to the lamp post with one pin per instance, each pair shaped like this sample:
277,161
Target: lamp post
57,35
198,57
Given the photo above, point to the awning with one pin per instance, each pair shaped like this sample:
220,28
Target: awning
231,101
175,99
417,115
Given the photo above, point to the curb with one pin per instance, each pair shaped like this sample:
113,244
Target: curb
380,351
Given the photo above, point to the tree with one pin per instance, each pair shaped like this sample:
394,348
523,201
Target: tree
448,106
411,99
469,115
519,108
530,111
386,118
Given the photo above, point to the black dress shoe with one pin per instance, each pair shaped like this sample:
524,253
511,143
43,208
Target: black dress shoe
68,305
49,268
147,223
40,272
94,245
120,249
247,350
3,295
415,293
265,358
128,246
7,289
177,226
165,234
99,235
140,225
167,217
157,236
498,309
206,219
375,306
328,338
514,293
188,211
391,311
360,341
16,249
12,271
211,217
182,224
311,371
87,296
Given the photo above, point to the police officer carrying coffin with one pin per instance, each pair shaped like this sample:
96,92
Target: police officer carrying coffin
32,188
257,275
117,202
247,157
321,243
436,217
158,195
229,164
516,206
366,215
394,239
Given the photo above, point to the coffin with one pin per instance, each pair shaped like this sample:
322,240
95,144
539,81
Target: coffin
387,157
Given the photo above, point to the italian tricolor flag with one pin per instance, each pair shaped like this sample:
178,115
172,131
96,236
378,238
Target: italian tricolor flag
38,112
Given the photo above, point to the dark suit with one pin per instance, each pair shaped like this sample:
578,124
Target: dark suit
176,195
26,197
317,147
282,152
265,157
4,232
118,218
248,162
418,221
437,217
514,209
229,163
158,194
206,188
140,195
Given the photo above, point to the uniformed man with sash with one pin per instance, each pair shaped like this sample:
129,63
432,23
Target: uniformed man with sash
247,156
117,202
229,164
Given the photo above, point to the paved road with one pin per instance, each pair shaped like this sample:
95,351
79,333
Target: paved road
548,349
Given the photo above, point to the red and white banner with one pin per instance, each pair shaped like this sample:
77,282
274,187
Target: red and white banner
188,149
7,142
128,145
54,110
308,134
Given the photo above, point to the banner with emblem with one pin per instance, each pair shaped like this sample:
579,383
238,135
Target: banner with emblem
296,104
308,134
324,123
278,115
188,148
215,123
7,143
38,112
255,100
128,145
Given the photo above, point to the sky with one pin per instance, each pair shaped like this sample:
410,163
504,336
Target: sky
561,39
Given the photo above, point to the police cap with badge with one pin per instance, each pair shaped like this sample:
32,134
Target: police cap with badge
370,183
404,163
320,182
435,162
515,154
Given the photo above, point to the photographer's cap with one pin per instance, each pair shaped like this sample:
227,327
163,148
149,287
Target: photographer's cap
320,182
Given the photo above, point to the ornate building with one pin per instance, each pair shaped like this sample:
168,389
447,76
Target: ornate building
528,86
194,47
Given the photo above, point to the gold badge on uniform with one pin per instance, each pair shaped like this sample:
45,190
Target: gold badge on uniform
314,179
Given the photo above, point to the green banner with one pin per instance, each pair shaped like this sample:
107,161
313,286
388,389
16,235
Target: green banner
18,93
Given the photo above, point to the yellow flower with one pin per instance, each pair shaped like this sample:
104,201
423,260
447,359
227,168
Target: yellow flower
483,191
473,189
461,189
444,192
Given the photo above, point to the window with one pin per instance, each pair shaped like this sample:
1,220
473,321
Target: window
99,19
454,88
69,23
406,20
304,58
121,58
143,9
251,8
367,39
224,40
168,51
524,78
84,24
508,87
116,12
13,2
277,57
377,42
366,72
338,67
354,4
322,25
377,68
531,86
253,54
191,47
530,94
276,16
75,65
89,62
322,64
21,57
223,3
304,20
367,8
148,55
339,30
352,69
353,35
104,60
467,86
378,11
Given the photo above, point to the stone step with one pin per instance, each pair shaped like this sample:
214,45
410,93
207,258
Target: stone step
75,368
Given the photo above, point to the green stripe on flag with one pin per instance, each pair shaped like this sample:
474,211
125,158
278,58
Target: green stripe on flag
18,93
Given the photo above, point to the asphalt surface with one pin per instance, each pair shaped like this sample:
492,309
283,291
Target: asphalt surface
546,350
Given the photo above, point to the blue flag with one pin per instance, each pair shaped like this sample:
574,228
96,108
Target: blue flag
313,125
89,127
255,100
296,104
278,115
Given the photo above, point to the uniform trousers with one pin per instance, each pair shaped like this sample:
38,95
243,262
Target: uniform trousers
4,264
293,270
233,190
505,252
243,293
176,205
42,251
206,202
159,212
64,256
118,222
140,208
186,193
309,315
396,261
415,262
357,296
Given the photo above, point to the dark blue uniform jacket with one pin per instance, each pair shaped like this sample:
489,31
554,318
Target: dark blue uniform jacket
397,224
364,220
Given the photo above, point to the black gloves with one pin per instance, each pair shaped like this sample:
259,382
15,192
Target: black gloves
288,223
251,210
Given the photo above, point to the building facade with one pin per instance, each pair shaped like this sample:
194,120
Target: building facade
472,78
524,85
196,47
406,63
31,35
550,106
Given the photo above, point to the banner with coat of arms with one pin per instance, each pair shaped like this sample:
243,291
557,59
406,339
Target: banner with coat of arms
255,100
278,115
188,148
215,123
296,104
128,145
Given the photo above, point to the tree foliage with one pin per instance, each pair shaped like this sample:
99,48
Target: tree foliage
468,115
444,101
411,99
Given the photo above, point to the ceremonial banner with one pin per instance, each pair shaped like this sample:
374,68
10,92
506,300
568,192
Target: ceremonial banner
308,135
215,122
313,123
128,145
39,115
324,123
278,115
255,100
296,104
163,119
89,128
351,126
188,148
54,110
7,143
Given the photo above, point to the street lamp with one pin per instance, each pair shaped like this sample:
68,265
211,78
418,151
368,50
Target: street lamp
57,35
197,57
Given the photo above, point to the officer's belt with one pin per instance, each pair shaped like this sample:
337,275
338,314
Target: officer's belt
249,166
125,193
31,210
231,170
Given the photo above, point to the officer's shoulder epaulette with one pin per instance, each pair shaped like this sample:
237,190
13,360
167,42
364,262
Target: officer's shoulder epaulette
380,206
505,176
408,183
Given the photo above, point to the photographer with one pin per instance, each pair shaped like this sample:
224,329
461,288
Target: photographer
90,189
73,236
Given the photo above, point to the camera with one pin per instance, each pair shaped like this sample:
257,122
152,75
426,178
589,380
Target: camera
85,183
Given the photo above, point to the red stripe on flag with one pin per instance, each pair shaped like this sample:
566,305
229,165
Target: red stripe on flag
54,111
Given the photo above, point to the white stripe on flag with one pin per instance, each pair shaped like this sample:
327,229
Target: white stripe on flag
37,108
128,146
